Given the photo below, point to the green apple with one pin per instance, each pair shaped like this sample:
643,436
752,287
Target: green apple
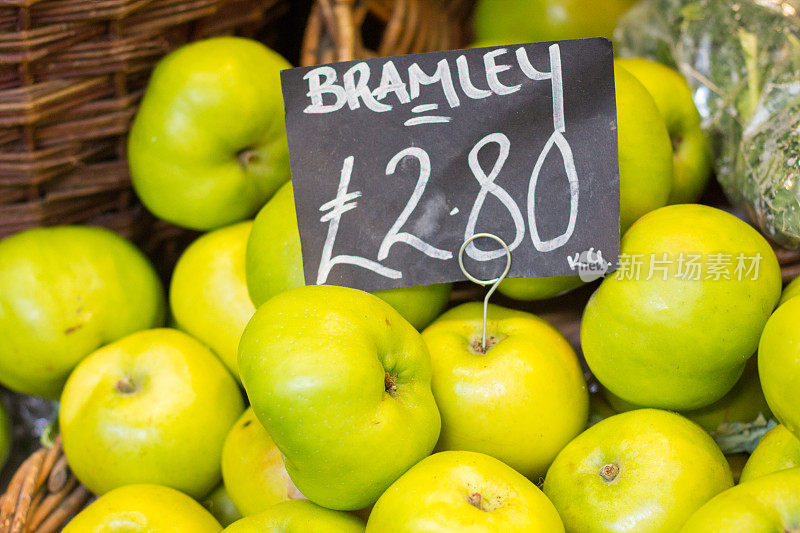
298,516
645,150
208,145
692,160
525,21
520,400
275,264
791,290
779,364
743,404
140,508
219,504
645,471
341,382
153,407
419,305
252,468
5,435
769,504
64,292
208,292
529,289
463,491
645,175
663,331
776,451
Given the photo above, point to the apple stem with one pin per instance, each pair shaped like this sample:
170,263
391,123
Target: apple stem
475,500
125,385
390,384
479,349
609,472
247,157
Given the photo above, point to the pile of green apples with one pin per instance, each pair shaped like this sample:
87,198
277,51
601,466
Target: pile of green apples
270,406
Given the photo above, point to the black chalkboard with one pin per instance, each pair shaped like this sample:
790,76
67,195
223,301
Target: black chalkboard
397,160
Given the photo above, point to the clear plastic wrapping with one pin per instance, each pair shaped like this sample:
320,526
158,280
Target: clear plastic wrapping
742,60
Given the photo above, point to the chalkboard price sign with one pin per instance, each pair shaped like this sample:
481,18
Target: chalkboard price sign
396,161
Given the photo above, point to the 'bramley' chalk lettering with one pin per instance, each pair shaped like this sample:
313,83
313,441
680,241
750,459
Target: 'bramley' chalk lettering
353,90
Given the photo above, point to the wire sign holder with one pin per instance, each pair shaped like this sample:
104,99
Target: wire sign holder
495,282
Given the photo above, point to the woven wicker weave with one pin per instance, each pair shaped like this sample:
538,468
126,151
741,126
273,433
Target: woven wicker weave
71,74
43,495
337,29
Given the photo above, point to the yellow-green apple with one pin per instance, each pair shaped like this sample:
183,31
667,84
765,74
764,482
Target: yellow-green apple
645,175
779,364
208,145
463,491
645,471
342,384
691,150
528,289
525,21
5,435
208,293
675,325
791,290
152,407
645,150
743,404
299,516
219,504
275,264
64,292
769,504
776,451
252,468
150,508
520,400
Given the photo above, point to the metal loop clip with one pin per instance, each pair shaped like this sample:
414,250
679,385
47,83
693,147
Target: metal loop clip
495,282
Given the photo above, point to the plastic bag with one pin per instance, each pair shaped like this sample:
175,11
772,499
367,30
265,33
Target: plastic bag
742,60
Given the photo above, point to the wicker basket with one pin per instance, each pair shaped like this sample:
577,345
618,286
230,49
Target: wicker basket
338,30
43,495
71,74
